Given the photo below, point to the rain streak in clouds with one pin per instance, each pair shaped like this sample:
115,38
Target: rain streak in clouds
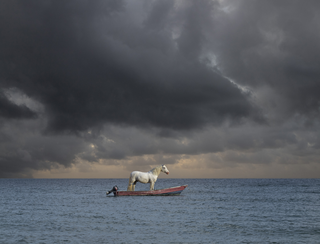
208,87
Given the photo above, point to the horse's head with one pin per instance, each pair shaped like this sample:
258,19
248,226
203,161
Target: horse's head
164,169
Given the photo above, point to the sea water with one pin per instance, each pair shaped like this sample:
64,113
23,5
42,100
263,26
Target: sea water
207,211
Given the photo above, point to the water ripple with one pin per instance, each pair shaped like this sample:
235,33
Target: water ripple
208,211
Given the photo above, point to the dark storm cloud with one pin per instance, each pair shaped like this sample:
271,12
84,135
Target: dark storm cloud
274,44
23,148
110,80
89,63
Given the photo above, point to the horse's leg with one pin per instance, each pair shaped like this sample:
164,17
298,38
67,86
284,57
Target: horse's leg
134,186
130,184
151,186
129,187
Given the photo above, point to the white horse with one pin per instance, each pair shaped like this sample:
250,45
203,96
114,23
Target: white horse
148,177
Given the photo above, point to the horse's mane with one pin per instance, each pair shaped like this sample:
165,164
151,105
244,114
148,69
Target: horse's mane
156,170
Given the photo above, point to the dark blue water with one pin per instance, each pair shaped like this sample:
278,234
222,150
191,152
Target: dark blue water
208,211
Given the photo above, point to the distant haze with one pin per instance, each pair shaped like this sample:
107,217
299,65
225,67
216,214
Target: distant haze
212,89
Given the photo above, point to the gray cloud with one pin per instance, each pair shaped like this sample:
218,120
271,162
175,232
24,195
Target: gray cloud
9,110
24,148
274,44
88,69
110,80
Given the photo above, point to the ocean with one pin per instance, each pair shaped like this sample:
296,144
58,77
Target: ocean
207,211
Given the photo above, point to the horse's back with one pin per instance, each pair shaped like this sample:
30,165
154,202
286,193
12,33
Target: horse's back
134,173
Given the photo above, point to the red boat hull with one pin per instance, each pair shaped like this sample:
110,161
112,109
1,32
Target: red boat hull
162,192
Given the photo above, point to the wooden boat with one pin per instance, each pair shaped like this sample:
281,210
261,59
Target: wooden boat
162,192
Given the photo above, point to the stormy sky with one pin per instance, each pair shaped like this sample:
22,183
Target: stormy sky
213,89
